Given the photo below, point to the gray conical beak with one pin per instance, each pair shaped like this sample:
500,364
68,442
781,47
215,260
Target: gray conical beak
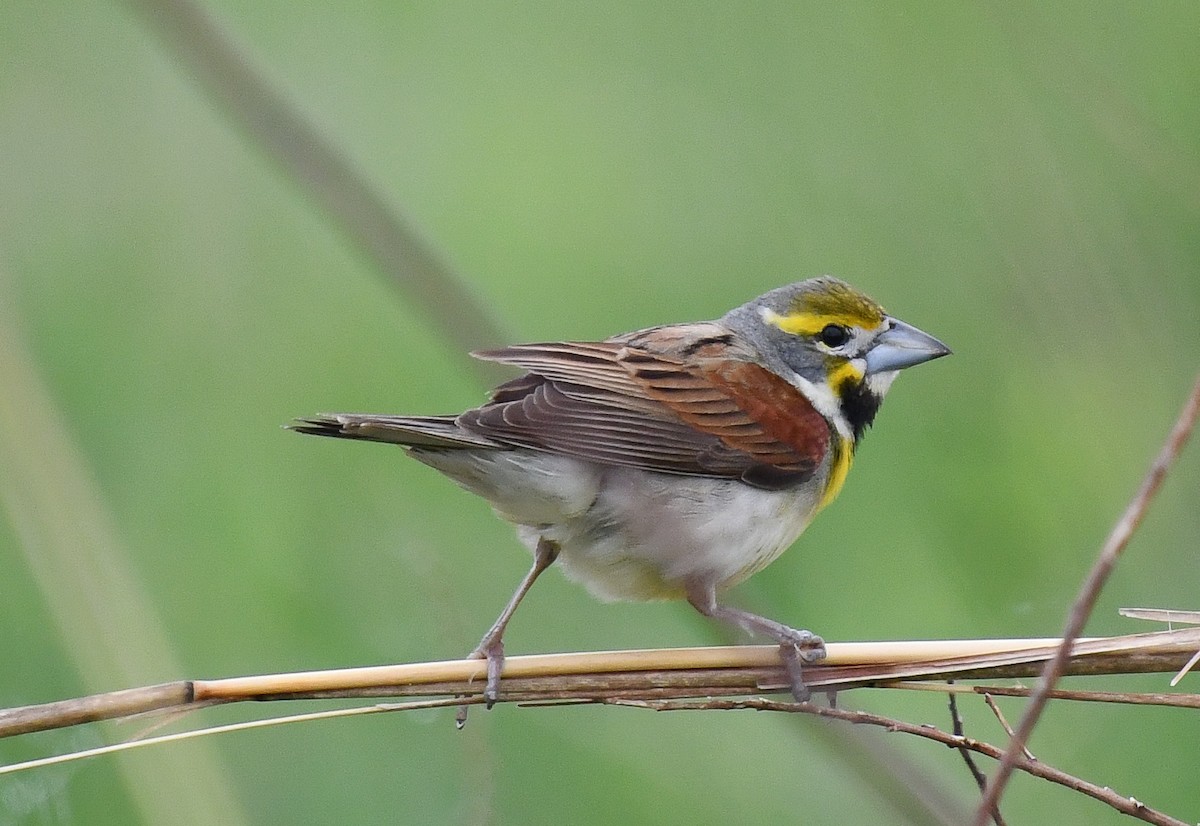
902,345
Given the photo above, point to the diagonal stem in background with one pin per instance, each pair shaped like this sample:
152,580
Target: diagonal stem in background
1086,600
226,73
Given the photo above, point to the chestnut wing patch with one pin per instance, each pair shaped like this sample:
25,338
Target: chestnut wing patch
749,408
621,405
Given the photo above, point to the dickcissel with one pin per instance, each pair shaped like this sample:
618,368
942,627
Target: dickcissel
671,462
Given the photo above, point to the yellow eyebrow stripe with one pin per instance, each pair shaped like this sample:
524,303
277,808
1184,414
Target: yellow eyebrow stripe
809,324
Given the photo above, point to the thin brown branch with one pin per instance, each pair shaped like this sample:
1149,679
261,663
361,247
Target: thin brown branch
224,70
1089,592
1119,697
1035,768
991,703
1135,698
958,730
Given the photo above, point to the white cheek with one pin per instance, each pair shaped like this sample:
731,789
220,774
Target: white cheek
825,402
879,383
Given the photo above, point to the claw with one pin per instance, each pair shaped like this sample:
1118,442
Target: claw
494,654
492,650
812,648
792,658
800,647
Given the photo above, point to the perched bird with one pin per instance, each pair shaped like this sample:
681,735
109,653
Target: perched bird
671,462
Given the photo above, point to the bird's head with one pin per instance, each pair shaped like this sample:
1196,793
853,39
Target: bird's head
834,343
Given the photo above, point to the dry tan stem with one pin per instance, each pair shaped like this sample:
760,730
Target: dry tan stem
686,672
654,679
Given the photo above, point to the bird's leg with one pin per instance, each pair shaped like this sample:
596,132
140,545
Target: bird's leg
491,647
795,646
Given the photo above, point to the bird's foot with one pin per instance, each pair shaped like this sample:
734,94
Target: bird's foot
493,652
795,649
490,649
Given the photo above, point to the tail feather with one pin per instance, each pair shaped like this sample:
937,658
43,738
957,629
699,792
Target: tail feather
411,431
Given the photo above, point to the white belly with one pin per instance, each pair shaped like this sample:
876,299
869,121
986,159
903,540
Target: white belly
647,534
629,534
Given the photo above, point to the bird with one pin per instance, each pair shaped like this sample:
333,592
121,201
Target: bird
671,462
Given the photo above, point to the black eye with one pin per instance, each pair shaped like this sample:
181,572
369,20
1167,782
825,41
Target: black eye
834,335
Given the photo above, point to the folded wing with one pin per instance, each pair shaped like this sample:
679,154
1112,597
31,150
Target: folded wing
656,400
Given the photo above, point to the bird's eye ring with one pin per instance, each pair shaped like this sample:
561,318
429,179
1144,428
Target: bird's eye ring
834,335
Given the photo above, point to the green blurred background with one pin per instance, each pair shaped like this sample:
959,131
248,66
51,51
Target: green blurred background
1021,180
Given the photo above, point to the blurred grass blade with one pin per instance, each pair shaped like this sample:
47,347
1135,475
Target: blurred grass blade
107,624
228,75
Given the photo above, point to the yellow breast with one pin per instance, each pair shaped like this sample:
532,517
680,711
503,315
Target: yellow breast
839,466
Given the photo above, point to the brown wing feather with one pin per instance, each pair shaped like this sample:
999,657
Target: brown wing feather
557,417
750,409
591,363
668,399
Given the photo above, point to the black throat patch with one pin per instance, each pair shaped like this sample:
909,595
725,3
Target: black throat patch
859,406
